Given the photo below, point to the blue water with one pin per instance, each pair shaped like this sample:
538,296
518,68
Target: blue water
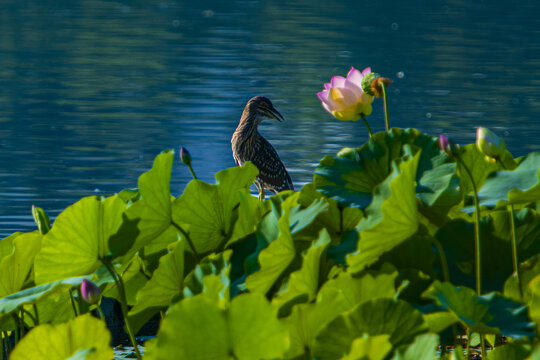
91,91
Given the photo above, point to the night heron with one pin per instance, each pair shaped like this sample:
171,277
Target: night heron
249,145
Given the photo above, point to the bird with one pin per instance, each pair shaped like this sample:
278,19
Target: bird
248,145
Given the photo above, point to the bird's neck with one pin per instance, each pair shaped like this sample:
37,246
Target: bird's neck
247,126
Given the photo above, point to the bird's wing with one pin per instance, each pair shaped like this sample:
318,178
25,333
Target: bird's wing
271,169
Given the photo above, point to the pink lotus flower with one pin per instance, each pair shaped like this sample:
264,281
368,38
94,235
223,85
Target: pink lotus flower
344,97
90,292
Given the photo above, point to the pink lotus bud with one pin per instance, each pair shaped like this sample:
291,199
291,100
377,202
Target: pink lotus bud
185,156
90,292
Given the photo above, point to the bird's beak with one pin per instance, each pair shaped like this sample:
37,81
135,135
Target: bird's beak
274,114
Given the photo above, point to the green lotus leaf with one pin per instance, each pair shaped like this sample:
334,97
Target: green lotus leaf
250,213
6,244
208,211
487,314
274,259
534,304
197,328
439,321
510,352
354,174
391,218
398,319
336,296
85,336
520,186
305,282
166,283
369,347
79,238
478,166
211,278
16,268
38,293
528,271
457,239
152,212
424,347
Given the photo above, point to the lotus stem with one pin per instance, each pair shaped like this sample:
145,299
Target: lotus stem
385,97
477,248
123,305
515,250
367,125
188,239
101,315
468,349
73,303
192,172
36,313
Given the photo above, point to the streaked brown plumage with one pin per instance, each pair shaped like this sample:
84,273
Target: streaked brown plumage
249,145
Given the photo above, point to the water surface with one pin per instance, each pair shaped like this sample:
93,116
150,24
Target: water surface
91,91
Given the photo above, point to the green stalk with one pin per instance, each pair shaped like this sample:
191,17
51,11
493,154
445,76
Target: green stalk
36,314
101,315
123,305
515,251
367,125
478,272
188,239
483,346
73,302
442,255
476,229
385,97
192,172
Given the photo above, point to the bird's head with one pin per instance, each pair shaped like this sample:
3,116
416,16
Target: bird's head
260,108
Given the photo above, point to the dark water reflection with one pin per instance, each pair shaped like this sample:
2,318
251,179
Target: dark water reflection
91,91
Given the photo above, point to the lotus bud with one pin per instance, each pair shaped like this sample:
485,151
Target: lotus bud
448,146
90,292
185,156
489,144
366,82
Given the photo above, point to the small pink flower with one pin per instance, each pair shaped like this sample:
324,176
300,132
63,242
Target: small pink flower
344,97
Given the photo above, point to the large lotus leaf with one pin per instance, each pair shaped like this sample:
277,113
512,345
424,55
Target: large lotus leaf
520,186
15,268
6,244
166,283
306,320
457,239
534,304
37,293
423,348
196,328
391,218
370,285
152,253
152,211
487,314
305,282
478,166
528,271
369,348
336,296
275,258
251,211
438,189
79,239
215,266
510,352
60,342
398,319
336,219
208,211
352,176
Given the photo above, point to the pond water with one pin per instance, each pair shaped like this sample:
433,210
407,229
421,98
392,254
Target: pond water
91,91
